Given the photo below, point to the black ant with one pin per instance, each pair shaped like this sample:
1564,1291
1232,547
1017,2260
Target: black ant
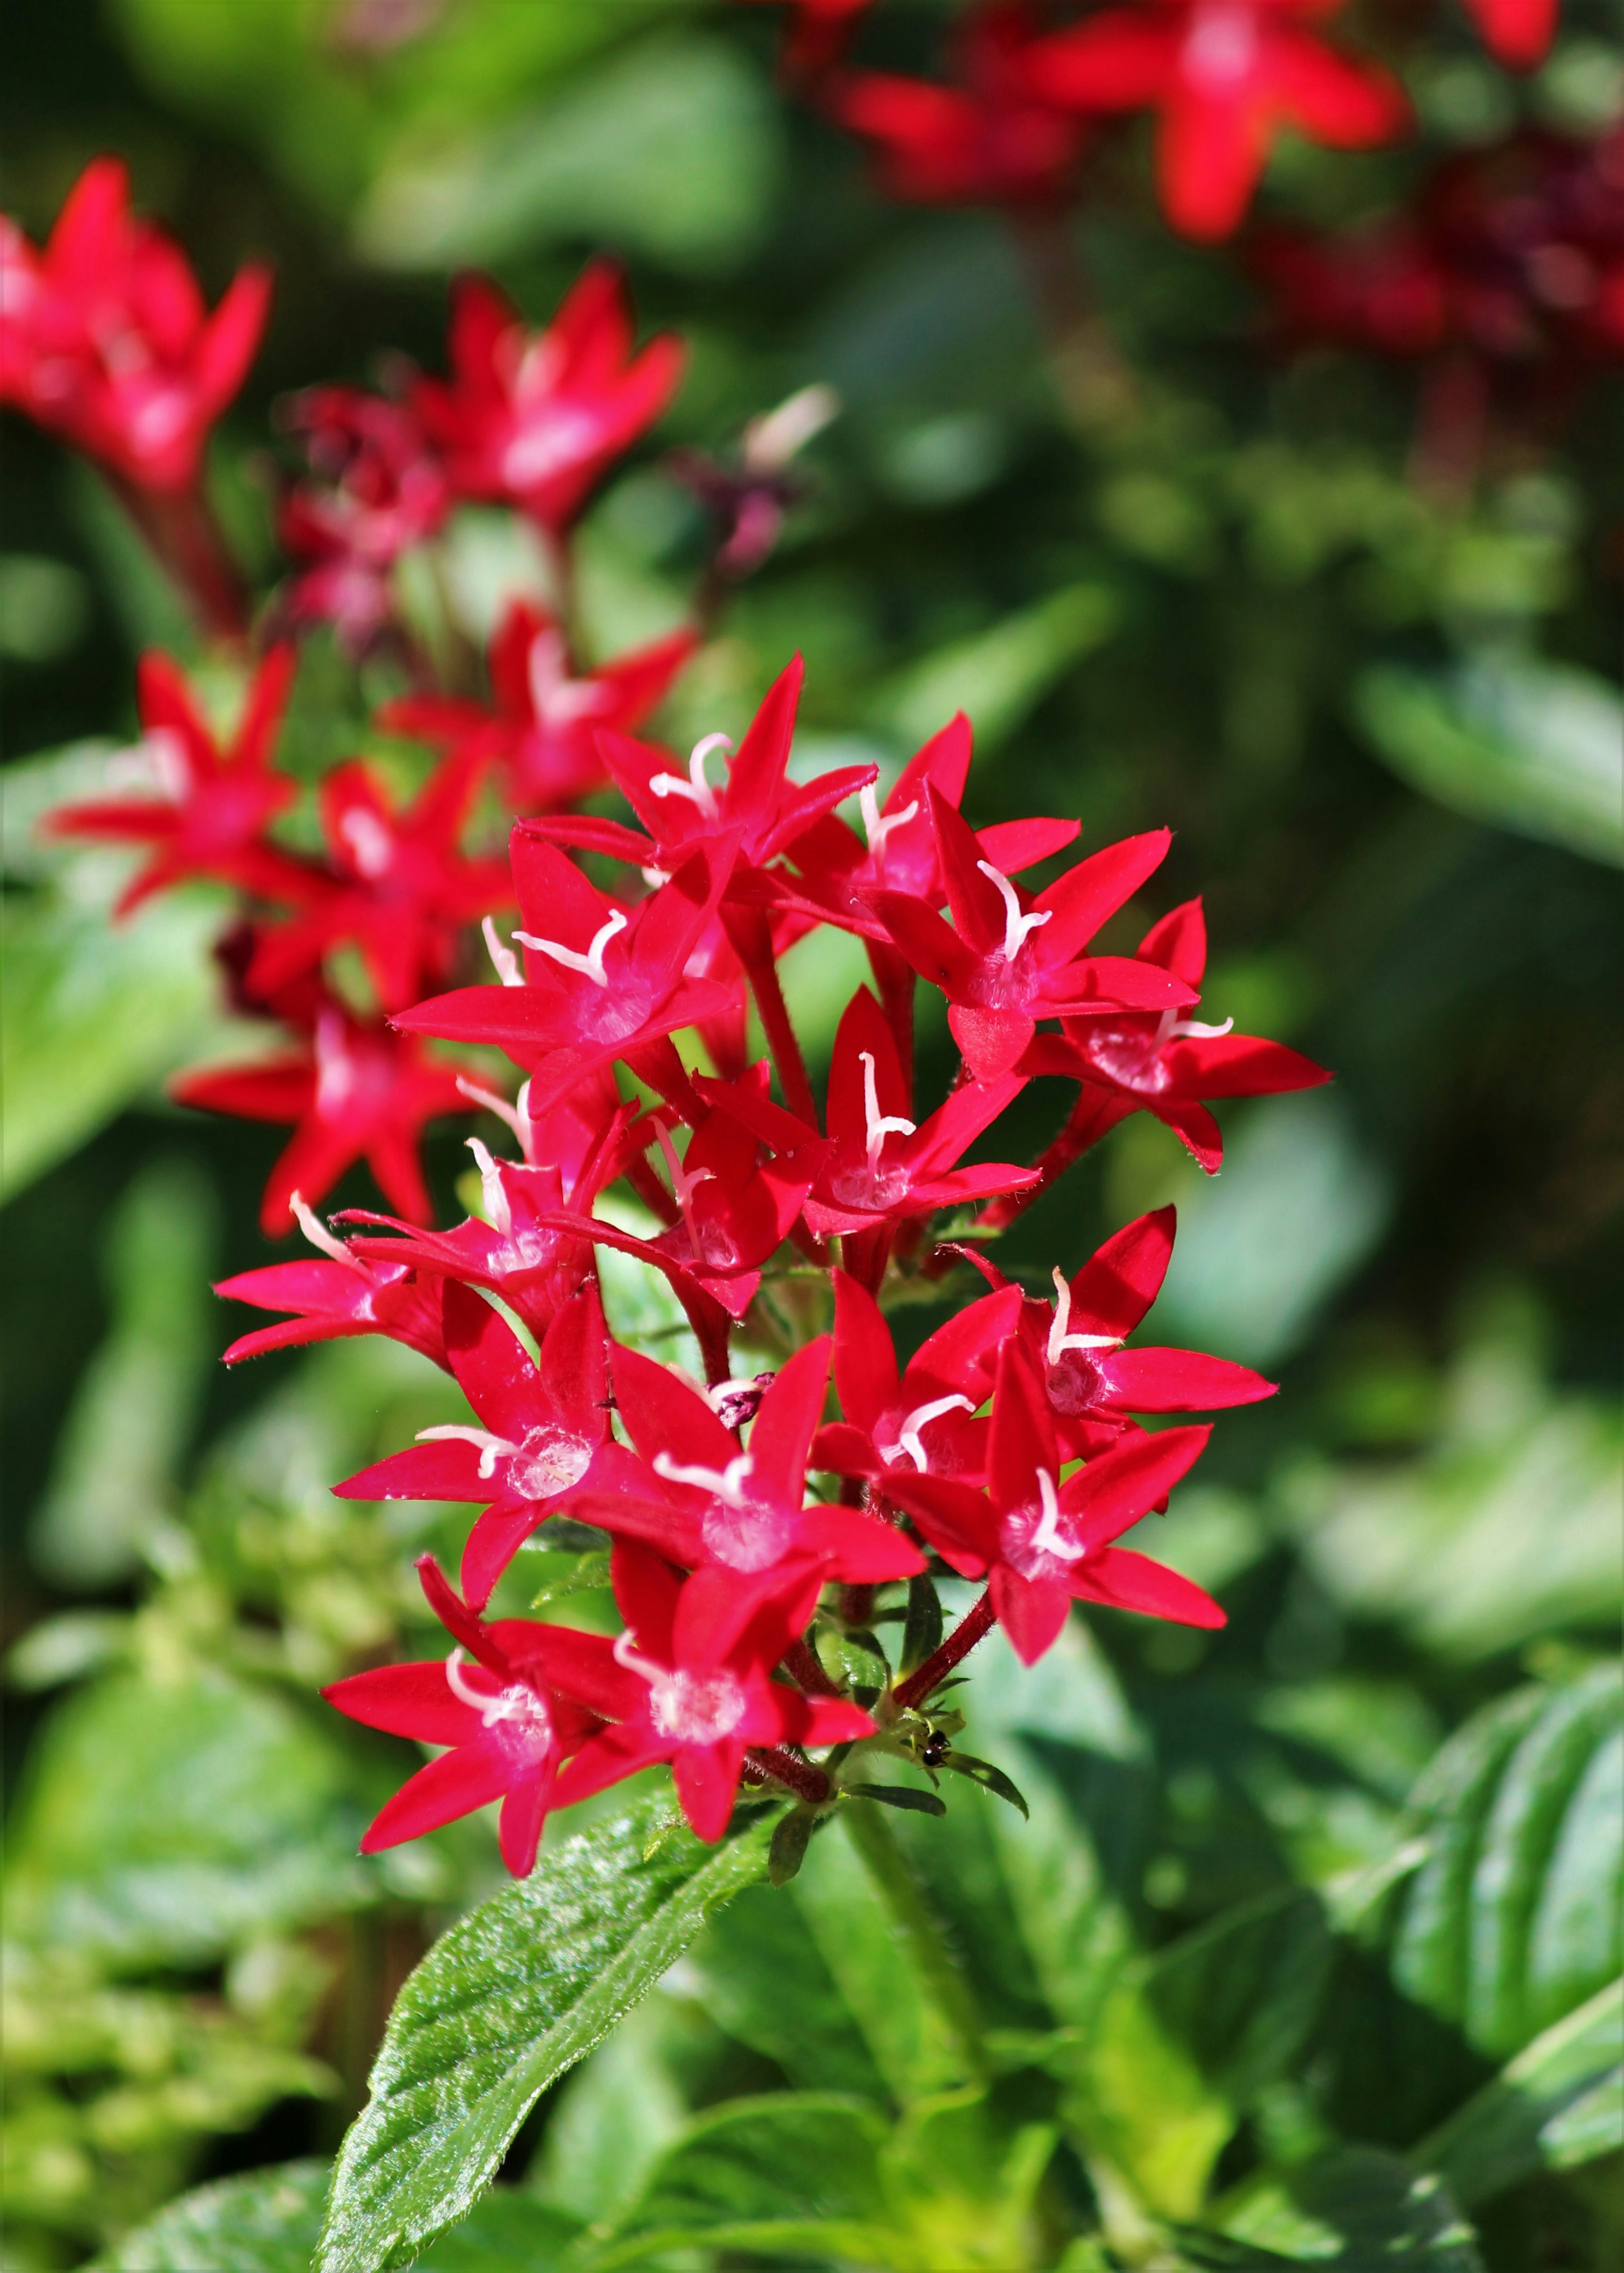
935,1749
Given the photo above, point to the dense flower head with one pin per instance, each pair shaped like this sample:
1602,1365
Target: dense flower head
105,338
379,490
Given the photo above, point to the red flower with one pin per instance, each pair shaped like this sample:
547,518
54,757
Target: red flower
105,340
1165,1065
1010,959
344,1293
402,891
353,1091
1226,76
601,982
1044,1543
701,1651
532,1695
1516,32
697,1498
515,1249
991,138
730,1210
1092,1383
542,1424
534,418
211,816
926,1415
542,730
382,490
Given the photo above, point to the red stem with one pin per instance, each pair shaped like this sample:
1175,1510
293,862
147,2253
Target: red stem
180,528
959,1643
1096,1112
802,1661
711,1325
893,975
752,935
804,1780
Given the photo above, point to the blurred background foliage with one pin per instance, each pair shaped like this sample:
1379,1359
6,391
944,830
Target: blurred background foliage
1387,729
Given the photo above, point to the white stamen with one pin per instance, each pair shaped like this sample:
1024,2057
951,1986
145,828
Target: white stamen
772,440
1047,1536
505,961
1059,1339
590,966
512,1702
881,1125
908,1434
1016,927
517,1116
491,1448
497,1213
655,877
367,839
696,789
877,827
320,1238
1170,1027
626,1651
684,1181
725,1484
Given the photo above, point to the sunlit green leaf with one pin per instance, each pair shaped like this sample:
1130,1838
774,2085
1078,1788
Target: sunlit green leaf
1353,2209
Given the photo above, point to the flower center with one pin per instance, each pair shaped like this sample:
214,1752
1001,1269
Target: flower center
908,1434
696,789
514,1707
696,1708
590,964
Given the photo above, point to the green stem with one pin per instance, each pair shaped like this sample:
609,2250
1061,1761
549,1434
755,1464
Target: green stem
904,1898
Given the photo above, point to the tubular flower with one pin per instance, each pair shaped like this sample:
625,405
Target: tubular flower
343,1294
1043,1544
397,886
543,730
212,806
923,1420
992,138
1225,76
512,1701
106,341
355,1092
698,1651
536,419
541,1425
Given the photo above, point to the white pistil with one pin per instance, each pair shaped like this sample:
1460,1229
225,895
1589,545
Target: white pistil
696,789
881,1125
320,1238
512,1702
517,1115
1059,1339
367,839
908,1437
503,958
1171,1027
497,1213
684,1181
626,1651
655,877
877,827
590,966
1016,927
725,1484
1047,1536
491,1448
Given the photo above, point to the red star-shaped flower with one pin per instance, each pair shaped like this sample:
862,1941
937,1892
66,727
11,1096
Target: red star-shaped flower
379,491
922,1420
105,339
1226,76
1043,1544
534,418
399,887
543,730
343,1294
701,1651
532,1695
215,805
354,1091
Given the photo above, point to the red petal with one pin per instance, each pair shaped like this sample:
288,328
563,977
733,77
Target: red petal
1129,1581
1179,1381
1032,1611
1114,1490
1118,1284
455,1784
865,1373
408,1700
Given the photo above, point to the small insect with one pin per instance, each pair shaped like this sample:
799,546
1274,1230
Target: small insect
935,1748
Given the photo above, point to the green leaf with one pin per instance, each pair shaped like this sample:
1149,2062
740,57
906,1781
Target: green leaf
671,150
507,2231
1000,675
564,1573
1518,1913
989,1778
266,2222
169,1822
514,1995
791,1835
922,1632
763,1979
1354,2208
612,2118
900,1795
1559,2103
1523,744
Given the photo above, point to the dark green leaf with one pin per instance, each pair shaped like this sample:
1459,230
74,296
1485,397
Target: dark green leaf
514,1995
764,1981
900,1795
1241,1994
266,2222
788,1850
921,1631
507,2231
1353,2209
1557,2104
989,1778
1518,1913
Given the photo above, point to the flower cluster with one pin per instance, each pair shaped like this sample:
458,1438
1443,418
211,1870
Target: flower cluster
756,1521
